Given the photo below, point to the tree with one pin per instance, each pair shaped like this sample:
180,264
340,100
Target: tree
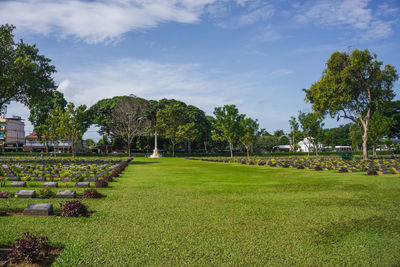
73,125
100,115
266,142
392,110
25,76
187,132
170,124
227,125
248,133
311,124
129,119
51,128
39,111
295,133
379,127
353,86
355,136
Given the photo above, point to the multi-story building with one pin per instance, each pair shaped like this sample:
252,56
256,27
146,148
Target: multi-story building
12,133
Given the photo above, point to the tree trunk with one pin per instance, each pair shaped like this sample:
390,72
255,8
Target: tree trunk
173,150
231,149
47,146
129,149
205,146
247,150
374,149
190,147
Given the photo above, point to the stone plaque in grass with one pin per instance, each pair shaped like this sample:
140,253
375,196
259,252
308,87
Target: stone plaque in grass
66,194
92,178
82,184
18,184
13,178
50,184
25,194
39,179
38,209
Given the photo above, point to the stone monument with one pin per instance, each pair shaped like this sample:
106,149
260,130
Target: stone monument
155,154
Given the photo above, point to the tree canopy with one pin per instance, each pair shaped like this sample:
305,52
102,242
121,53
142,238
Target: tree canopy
353,86
25,75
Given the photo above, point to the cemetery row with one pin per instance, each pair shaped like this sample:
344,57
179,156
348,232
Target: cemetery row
372,166
26,175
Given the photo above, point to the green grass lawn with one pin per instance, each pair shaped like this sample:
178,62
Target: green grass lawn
182,212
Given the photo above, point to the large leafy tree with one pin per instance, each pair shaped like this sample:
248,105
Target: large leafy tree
392,110
353,86
100,115
227,125
51,129
25,76
171,121
129,119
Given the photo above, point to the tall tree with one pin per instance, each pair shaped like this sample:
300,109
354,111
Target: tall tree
51,128
25,76
392,110
73,125
227,125
311,124
248,133
353,86
295,133
129,119
170,121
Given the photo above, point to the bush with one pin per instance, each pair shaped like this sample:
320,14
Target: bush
91,193
372,172
5,194
101,183
343,169
318,168
29,248
45,192
300,167
74,208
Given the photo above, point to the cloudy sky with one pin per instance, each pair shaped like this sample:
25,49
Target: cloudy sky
256,54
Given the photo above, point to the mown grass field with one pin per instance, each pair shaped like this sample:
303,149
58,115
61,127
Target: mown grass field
182,212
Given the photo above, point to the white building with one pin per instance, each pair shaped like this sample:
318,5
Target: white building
306,146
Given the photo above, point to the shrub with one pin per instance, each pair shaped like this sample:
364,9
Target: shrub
251,162
29,248
74,208
91,193
5,194
300,167
343,169
45,192
101,183
244,162
318,168
372,172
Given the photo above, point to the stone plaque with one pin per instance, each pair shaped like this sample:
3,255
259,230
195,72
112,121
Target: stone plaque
18,184
39,209
82,184
26,194
50,184
66,194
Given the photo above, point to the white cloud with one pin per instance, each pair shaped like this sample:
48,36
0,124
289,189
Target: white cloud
97,21
191,83
351,13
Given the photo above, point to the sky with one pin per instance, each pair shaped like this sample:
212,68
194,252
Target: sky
256,54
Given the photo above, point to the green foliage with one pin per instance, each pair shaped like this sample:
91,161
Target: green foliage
311,124
172,120
379,127
353,86
73,124
45,192
248,133
25,76
227,125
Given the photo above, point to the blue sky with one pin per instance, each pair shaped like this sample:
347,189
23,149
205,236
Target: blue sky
255,54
